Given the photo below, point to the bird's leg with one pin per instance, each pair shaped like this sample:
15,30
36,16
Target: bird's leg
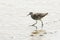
34,23
42,24
36,27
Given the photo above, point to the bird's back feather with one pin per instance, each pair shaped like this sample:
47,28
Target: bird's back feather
38,16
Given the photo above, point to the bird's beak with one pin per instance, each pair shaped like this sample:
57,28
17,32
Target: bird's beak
28,15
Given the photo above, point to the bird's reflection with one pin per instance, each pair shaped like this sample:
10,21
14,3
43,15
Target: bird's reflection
40,35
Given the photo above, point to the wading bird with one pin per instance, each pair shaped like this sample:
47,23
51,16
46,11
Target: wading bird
37,16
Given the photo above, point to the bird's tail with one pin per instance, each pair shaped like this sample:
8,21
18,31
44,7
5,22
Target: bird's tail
45,14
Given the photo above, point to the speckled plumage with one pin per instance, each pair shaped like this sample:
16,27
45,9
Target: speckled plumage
38,16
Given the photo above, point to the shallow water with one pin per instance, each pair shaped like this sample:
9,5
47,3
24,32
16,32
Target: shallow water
14,24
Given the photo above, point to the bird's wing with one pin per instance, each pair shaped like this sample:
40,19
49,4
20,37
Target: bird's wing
42,14
39,14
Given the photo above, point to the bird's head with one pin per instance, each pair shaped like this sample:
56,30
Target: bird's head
30,13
